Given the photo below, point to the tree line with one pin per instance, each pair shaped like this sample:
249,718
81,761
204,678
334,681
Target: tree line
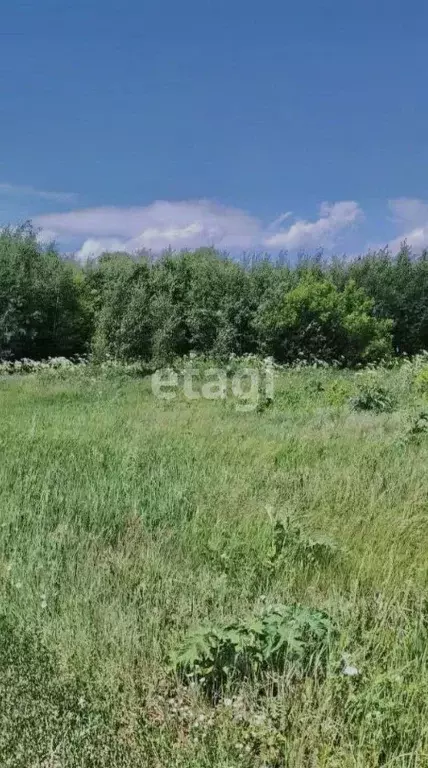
131,307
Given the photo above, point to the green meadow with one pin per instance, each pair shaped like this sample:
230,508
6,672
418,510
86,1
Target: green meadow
129,522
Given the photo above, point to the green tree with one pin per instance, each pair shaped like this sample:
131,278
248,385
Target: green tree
315,319
43,301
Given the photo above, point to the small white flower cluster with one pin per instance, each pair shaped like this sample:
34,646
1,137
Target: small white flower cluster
26,365
250,730
348,668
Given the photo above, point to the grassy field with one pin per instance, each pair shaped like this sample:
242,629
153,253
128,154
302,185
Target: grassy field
128,521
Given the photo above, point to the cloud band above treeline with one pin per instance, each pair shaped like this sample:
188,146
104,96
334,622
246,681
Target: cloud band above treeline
192,224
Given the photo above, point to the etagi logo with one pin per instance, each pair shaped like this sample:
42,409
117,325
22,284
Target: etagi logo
247,387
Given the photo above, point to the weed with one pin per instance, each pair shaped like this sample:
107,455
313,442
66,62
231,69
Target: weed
338,392
372,397
290,542
421,381
280,639
417,429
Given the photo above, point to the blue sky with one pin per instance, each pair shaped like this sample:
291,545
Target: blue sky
248,125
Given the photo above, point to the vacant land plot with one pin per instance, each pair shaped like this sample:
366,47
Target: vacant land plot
291,540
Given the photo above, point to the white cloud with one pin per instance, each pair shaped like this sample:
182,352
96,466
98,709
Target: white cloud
322,232
14,190
157,226
411,217
416,238
191,224
410,210
91,248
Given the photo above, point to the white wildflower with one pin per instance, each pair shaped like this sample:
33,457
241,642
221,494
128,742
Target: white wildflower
350,671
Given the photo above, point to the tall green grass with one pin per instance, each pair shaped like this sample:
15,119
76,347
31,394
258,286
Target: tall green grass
127,521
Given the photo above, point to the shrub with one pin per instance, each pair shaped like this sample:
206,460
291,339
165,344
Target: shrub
315,319
372,397
418,428
282,638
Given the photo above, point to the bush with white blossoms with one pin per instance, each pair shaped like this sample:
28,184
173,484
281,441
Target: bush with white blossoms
26,365
63,366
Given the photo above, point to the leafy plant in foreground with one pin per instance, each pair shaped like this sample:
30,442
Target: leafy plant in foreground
338,392
418,428
282,638
372,397
290,542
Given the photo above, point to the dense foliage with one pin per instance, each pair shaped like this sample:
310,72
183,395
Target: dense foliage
134,307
